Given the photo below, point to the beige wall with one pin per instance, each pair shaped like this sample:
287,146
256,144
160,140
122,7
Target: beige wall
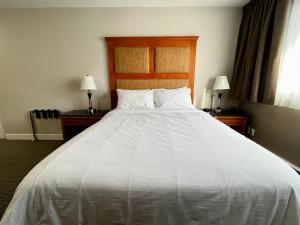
277,128
2,135
45,52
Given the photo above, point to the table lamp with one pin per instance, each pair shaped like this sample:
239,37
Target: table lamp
88,84
221,83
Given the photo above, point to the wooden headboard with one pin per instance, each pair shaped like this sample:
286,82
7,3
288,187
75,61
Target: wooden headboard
150,62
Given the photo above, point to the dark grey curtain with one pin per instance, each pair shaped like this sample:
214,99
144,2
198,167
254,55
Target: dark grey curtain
258,52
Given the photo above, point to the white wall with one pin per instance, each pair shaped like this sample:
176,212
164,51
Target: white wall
45,52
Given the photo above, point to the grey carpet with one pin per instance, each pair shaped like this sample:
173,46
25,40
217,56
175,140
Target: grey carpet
17,158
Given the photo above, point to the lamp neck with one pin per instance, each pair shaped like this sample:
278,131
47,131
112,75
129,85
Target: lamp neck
89,94
220,94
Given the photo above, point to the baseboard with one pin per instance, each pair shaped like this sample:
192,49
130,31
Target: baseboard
30,136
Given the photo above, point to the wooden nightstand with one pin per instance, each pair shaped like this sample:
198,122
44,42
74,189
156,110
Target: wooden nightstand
73,122
235,119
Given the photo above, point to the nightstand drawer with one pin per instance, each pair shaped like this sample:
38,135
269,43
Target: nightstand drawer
79,121
238,123
232,120
76,121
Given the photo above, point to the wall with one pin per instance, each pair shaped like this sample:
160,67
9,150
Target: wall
44,53
277,129
2,135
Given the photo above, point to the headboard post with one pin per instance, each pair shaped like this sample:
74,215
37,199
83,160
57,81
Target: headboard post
151,62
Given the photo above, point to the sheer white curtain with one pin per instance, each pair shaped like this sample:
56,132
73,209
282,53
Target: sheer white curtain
288,89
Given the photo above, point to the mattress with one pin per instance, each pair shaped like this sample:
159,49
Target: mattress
158,167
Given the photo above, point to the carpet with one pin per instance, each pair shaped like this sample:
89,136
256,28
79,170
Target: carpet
17,158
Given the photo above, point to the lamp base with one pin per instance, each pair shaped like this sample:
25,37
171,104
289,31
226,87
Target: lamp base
218,110
91,111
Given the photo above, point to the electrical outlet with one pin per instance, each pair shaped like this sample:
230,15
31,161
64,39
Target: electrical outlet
252,132
248,130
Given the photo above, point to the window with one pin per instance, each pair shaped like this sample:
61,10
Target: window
288,89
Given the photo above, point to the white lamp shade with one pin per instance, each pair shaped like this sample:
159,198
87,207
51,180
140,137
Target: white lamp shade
88,83
221,83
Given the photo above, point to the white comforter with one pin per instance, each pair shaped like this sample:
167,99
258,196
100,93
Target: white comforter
158,168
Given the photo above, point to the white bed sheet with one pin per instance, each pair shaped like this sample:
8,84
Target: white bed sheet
158,167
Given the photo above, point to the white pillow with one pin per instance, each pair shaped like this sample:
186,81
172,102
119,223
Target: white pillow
173,98
135,99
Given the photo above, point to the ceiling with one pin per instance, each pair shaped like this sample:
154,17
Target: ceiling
120,3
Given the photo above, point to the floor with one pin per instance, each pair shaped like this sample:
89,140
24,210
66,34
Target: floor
17,158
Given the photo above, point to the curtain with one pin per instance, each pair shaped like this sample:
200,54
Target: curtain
258,52
288,89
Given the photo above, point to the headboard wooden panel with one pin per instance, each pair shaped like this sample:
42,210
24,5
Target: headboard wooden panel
150,62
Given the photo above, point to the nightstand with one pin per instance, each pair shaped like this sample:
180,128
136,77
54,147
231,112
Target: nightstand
235,119
75,121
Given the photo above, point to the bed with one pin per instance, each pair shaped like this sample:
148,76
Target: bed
157,166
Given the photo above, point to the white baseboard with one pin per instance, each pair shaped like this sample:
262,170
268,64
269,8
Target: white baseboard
30,136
